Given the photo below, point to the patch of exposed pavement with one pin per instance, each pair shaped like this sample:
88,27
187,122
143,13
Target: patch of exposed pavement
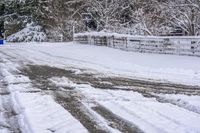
116,83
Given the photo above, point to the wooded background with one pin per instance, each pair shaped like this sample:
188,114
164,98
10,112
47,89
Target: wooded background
55,18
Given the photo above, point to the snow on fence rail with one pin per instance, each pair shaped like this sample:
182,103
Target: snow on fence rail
182,45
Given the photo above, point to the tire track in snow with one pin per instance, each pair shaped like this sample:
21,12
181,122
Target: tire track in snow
24,121
116,121
139,85
149,87
68,98
147,113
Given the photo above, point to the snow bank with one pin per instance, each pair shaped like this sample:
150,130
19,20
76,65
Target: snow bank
3,123
191,103
40,114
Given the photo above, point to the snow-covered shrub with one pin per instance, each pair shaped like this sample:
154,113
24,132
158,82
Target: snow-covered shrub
30,33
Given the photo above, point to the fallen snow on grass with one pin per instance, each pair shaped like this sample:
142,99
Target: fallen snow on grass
171,68
41,114
147,113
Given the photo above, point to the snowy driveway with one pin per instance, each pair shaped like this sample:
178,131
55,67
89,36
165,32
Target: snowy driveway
81,88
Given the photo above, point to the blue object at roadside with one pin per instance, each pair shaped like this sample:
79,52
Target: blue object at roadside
2,42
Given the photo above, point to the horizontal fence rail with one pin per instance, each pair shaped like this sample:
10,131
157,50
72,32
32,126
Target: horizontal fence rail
183,45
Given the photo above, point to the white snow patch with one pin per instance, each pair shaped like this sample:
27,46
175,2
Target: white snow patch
13,79
4,131
193,100
189,102
41,114
62,82
2,118
22,87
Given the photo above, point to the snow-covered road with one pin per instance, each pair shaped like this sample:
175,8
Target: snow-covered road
179,69
66,87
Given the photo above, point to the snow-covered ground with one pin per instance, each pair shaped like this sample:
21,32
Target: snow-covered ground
50,87
171,68
36,113
189,102
148,114
40,114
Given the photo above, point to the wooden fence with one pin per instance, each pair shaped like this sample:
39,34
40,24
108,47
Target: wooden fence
163,45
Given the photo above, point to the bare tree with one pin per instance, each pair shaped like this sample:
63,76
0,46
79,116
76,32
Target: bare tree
106,13
184,14
58,16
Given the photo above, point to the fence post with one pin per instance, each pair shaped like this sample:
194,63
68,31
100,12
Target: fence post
113,45
126,40
73,32
94,40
